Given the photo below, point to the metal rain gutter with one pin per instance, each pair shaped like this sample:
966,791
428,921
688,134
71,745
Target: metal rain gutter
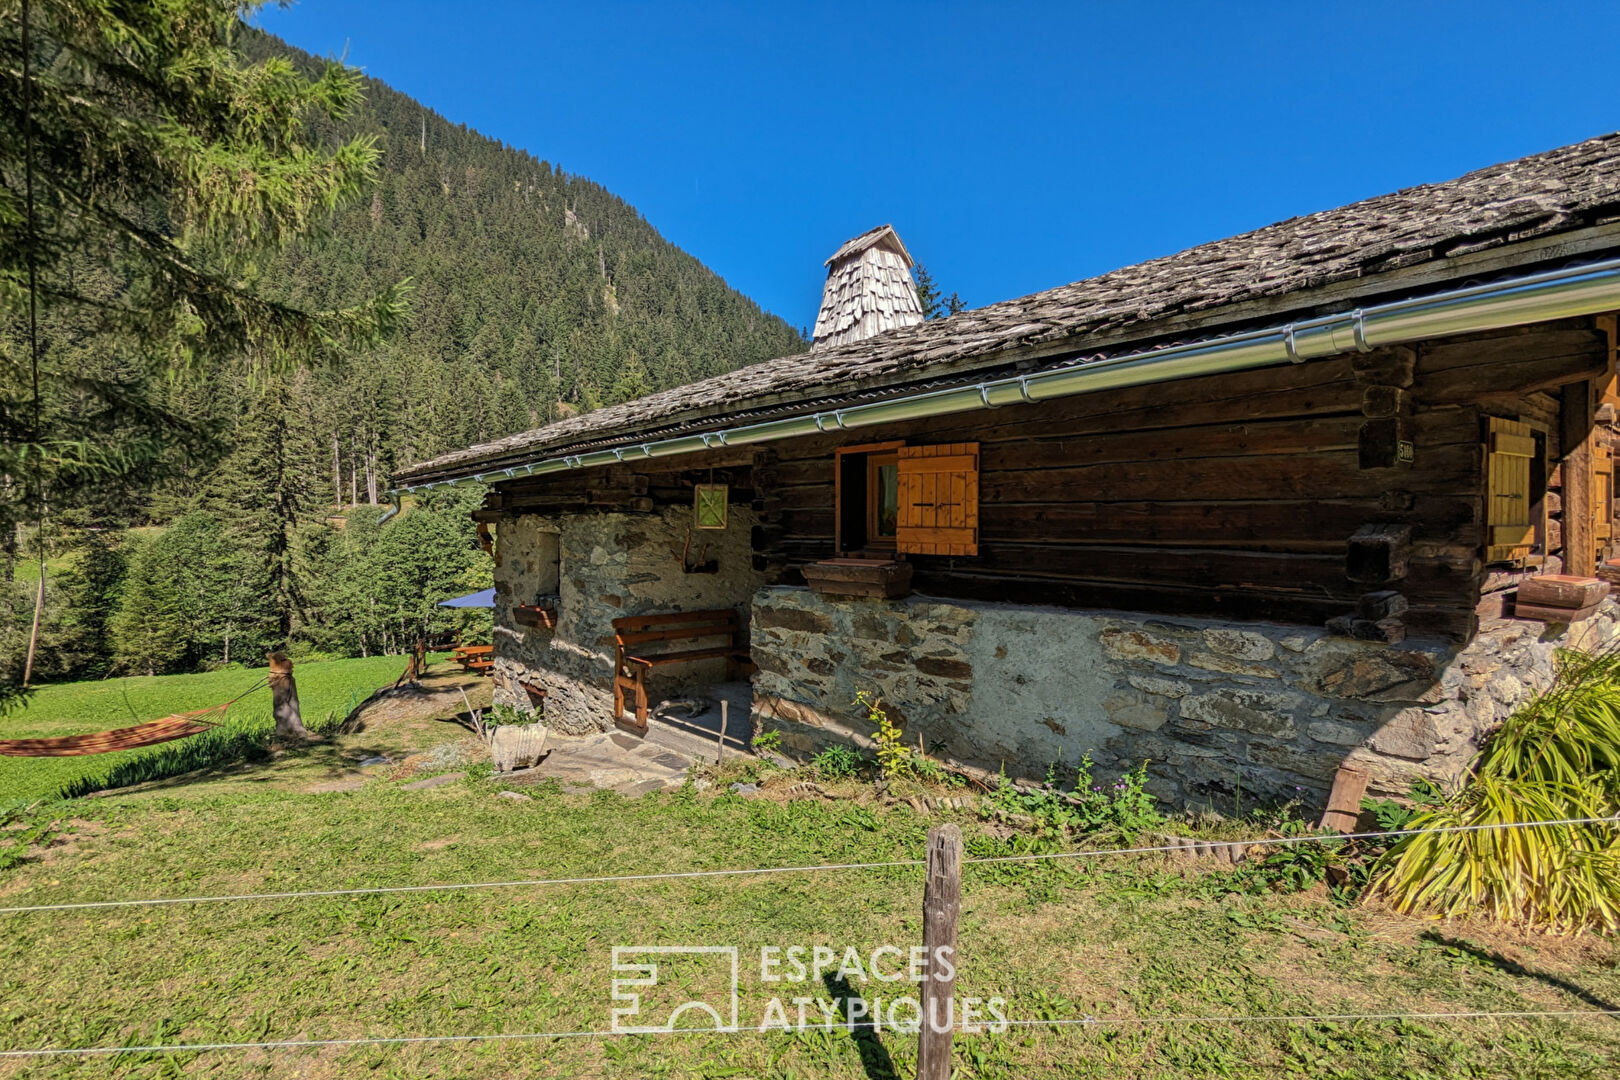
1555,294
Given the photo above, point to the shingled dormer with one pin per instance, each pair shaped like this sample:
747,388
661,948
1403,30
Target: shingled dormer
869,289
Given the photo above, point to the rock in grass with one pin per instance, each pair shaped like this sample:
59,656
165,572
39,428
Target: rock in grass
435,781
741,788
515,796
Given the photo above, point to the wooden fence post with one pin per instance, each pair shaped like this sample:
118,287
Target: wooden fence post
720,744
1344,801
284,695
942,901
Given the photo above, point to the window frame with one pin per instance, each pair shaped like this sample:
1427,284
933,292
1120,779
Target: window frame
872,452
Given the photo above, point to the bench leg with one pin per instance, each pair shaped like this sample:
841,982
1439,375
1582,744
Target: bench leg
641,697
618,696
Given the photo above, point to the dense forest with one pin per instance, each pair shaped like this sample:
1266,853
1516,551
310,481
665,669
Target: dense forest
533,294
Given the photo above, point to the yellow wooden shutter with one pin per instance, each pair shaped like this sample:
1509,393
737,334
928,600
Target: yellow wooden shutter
939,500
1602,496
1608,386
1510,533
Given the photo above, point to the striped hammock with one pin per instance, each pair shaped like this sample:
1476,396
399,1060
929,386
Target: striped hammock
177,726
105,742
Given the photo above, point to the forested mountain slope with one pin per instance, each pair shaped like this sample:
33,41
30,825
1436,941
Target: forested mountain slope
534,290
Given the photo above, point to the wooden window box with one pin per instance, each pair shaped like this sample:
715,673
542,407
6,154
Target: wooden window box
886,579
1559,598
541,616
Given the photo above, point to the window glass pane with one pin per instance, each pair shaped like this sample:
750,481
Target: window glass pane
888,499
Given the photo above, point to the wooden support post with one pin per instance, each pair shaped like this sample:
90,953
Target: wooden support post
1344,802
1576,431
942,901
284,695
725,720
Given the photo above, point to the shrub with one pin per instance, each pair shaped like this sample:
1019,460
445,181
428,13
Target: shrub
894,759
1125,808
1556,758
837,762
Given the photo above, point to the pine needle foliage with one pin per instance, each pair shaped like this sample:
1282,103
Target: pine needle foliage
156,148
146,167
1557,758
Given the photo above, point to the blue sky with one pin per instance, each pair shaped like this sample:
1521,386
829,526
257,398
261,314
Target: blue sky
1014,146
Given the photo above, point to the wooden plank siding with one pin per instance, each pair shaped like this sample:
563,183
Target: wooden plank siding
1230,496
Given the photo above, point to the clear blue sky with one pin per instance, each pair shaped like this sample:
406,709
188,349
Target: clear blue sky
1014,146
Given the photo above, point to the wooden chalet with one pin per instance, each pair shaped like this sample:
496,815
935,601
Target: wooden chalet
1252,512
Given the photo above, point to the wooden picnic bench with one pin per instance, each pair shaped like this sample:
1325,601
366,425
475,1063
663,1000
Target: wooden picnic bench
479,658
643,642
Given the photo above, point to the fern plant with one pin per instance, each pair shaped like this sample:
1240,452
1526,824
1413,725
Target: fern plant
1556,758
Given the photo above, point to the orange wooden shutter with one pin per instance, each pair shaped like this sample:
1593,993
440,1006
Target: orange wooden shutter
939,500
1602,497
1510,533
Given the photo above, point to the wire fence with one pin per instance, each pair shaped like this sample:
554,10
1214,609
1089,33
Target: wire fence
610,879
1091,1021
1061,1022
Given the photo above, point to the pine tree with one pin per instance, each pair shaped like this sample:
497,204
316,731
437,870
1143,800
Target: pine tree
81,640
149,628
144,166
264,495
935,304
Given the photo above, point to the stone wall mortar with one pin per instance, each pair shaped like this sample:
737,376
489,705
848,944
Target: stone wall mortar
1221,711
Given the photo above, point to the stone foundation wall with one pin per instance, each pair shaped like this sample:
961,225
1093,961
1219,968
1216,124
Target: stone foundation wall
601,566
1214,708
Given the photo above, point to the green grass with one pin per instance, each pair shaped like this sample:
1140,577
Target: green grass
1131,937
74,708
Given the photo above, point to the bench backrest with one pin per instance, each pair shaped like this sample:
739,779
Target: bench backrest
676,626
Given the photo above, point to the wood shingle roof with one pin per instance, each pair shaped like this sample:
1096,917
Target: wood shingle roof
1288,264
869,290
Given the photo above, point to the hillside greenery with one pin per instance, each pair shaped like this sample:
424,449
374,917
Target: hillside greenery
248,518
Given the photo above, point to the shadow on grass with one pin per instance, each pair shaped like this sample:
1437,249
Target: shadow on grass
1513,967
875,1057
236,744
214,753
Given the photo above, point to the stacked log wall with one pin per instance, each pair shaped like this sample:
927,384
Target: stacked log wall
1224,496
1231,495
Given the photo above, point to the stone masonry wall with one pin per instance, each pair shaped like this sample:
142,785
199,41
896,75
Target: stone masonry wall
601,566
1213,707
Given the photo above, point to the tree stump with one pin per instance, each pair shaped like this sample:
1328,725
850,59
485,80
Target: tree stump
284,697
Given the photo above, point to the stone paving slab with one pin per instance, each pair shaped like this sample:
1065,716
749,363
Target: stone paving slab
604,761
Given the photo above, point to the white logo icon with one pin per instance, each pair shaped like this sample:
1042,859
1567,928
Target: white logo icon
646,975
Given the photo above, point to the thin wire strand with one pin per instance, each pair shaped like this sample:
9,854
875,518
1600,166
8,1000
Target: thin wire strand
1083,1021
386,890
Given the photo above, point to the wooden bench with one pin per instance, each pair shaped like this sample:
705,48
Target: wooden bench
479,658
643,642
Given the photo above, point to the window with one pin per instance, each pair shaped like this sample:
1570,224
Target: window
921,500
882,497
867,495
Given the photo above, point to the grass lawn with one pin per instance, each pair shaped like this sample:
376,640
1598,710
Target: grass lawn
1129,937
72,708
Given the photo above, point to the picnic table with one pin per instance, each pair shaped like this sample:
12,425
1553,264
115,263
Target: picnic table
479,658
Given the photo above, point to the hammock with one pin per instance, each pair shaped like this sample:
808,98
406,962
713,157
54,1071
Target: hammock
176,726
